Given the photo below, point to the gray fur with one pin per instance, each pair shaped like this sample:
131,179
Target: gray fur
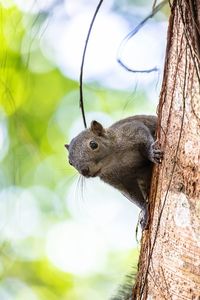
124,157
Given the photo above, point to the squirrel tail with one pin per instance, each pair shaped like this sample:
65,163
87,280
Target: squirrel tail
126,290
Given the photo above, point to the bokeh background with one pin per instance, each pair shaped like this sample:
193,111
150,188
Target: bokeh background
63,237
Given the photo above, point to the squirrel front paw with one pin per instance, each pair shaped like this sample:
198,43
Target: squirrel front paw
156,154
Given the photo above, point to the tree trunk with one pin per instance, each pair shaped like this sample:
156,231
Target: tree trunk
169,265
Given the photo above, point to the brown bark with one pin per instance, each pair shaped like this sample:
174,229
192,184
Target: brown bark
169,265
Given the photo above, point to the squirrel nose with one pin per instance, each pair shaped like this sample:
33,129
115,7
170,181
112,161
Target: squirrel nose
85,171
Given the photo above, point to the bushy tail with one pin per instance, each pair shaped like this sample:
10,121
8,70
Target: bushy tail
126,290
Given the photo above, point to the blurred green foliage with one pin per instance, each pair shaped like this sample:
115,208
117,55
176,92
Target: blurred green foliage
36,114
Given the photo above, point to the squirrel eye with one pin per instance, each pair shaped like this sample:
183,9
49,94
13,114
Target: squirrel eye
93,145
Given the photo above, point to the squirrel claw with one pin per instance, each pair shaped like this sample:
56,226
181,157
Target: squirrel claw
156,154
143,218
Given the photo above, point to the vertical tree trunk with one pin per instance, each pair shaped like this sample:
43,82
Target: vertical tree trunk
169,266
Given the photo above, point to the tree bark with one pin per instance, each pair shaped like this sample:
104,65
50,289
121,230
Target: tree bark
169,265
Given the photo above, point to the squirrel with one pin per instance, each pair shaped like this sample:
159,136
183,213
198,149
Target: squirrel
122,155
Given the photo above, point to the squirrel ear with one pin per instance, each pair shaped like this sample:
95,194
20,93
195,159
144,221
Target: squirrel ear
66,146
97,128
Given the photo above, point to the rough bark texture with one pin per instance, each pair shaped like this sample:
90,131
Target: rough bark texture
169,266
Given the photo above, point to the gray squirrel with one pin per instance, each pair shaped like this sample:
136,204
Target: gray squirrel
121,155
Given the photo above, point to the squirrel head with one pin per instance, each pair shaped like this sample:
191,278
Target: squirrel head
88,150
